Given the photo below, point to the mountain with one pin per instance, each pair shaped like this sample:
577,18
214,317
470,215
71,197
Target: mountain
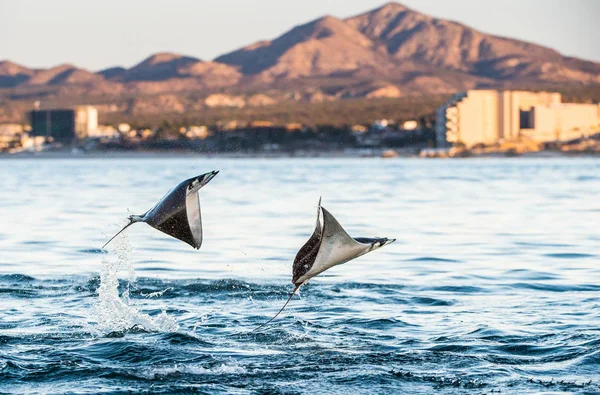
12,74
113,73
169,72
393,41
65,74
411,36
319,48
159,67
391,51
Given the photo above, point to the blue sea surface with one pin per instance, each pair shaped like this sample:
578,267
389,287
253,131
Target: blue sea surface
493,284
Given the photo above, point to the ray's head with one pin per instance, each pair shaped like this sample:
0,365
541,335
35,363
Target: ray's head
375,243
384,241
198,182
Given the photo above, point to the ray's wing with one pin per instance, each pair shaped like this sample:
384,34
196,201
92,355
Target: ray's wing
305,258
194,218
337,246
170,216
177,226
333,229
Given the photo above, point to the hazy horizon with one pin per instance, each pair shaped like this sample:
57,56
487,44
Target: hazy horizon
108,34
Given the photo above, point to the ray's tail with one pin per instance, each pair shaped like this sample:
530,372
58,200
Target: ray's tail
131,222
275,316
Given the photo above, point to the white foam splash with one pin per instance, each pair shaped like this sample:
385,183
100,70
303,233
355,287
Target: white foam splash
115,312
156,294
153,373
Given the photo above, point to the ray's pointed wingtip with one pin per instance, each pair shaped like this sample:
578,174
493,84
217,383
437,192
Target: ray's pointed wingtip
213,174
207,177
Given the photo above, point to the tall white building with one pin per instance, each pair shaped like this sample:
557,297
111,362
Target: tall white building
86,121
490,116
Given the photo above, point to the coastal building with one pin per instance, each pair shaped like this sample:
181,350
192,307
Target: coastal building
106,131
488,117
196,132
32,143
86,121
293,127
64,125
359,129
381,124
560,122
10,135
410,125
58,125
124,127
260,124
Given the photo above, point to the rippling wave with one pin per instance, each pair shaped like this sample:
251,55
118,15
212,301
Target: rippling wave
196,334
492,287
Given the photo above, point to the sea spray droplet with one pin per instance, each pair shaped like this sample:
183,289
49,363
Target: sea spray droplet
156,294
114,311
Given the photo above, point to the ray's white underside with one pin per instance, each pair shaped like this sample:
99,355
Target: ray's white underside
337,247
192,205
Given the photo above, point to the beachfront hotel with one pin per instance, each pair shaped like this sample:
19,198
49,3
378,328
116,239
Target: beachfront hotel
489,117
64,125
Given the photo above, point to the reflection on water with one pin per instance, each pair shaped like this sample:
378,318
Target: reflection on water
493,283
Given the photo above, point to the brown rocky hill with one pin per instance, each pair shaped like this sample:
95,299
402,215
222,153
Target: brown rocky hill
391,51
172,72
65,74
12,74
394,41
411,36
319,48
166,66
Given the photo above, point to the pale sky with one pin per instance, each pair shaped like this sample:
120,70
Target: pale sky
105,33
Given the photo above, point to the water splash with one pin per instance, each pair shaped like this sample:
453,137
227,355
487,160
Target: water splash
115,312
165,372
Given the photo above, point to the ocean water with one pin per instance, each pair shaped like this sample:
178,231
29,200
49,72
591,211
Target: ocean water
493,284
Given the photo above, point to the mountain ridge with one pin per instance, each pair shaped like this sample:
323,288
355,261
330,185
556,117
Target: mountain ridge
390,51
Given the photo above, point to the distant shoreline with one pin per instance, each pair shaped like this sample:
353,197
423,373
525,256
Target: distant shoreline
306,155
179,154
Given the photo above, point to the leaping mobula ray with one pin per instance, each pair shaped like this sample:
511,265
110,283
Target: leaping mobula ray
177,213
329,245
